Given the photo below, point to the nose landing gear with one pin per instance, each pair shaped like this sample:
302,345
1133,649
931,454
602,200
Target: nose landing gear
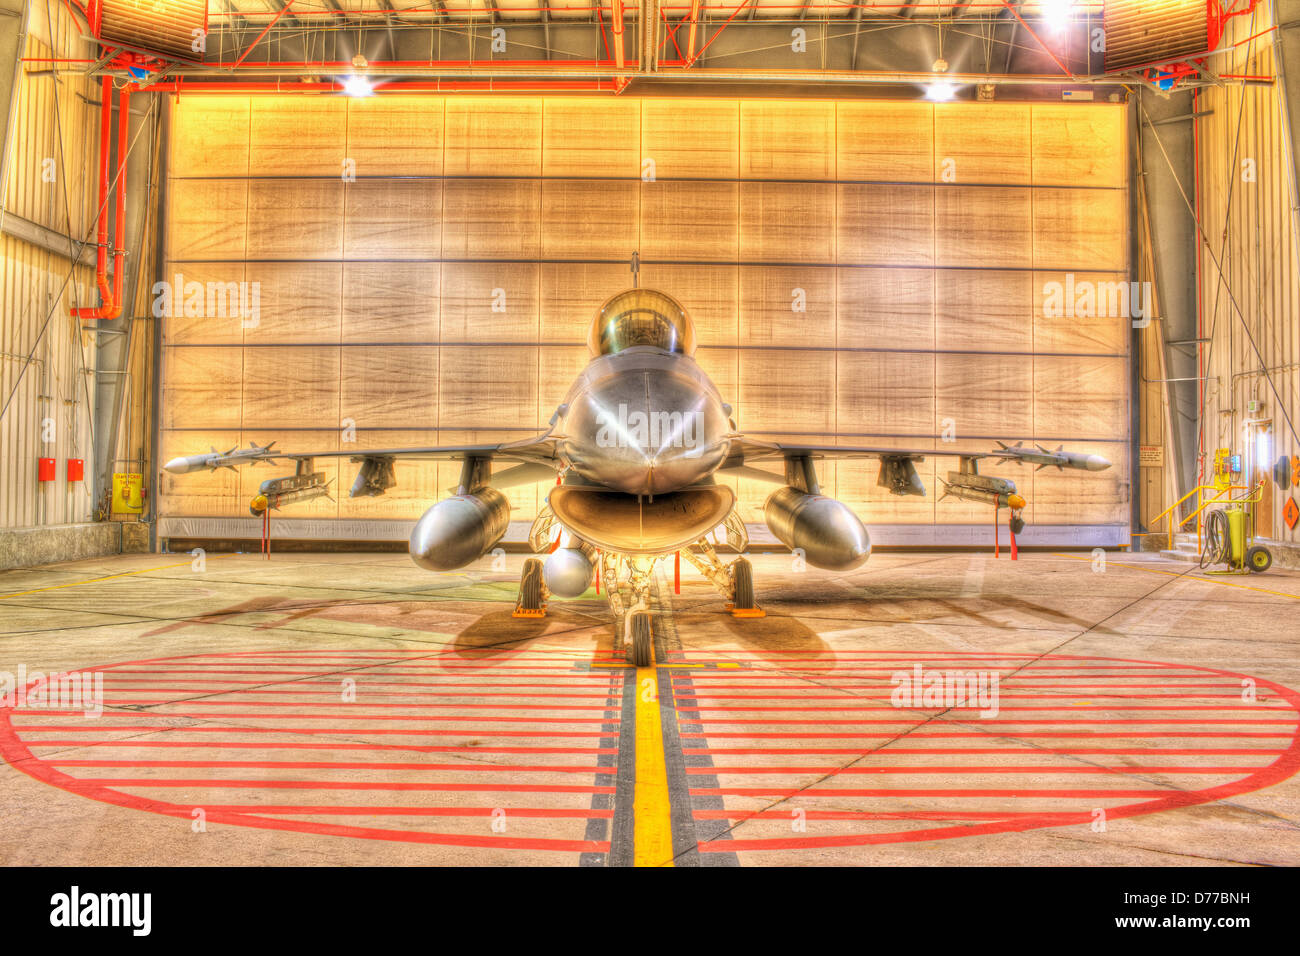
642,636
628,581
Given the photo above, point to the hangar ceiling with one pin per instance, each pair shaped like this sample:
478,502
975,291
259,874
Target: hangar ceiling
607,45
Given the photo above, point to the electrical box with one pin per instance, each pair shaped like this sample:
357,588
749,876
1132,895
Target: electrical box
127,493
45,469
76,469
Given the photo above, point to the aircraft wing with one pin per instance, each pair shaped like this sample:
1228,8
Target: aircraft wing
536,460
897,465
754,450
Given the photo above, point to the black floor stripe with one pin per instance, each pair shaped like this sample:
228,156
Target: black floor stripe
598,828
686,831
623,834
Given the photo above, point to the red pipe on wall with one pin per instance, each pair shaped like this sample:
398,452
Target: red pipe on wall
105,132
110,306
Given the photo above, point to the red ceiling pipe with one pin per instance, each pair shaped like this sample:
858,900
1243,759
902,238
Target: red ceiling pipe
331,88
110,306
346,66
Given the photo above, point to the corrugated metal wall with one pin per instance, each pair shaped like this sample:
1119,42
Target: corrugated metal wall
51,182
379,297
1246,202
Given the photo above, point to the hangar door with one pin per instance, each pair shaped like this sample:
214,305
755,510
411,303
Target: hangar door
407,270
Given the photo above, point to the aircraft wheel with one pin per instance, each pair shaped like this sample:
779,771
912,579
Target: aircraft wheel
641,637
530,586
1259,559
744,581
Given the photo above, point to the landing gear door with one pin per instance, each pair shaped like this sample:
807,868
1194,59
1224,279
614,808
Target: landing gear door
539,536
737,536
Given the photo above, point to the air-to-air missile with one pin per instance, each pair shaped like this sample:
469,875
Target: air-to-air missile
969,485
275,493
1040,456
217,459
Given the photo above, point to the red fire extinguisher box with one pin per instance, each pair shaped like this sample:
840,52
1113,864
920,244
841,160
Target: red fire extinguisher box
76,469
45,469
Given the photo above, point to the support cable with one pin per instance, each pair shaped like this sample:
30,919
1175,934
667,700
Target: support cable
67,279
1227,220
67,212
1219,267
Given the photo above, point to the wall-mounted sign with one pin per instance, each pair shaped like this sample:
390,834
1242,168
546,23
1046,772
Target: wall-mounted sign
127,495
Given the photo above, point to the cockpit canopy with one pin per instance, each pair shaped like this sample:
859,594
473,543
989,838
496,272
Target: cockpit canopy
641,317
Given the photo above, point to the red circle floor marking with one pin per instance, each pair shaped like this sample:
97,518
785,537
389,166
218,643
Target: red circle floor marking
712,701
556,780
556,727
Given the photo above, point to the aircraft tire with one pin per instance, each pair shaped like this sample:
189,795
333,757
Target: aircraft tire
641,637
744,581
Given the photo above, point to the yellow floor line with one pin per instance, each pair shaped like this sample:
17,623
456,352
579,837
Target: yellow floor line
107,577
1181,574
652,833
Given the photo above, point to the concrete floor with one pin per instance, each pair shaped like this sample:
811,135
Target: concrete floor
353,709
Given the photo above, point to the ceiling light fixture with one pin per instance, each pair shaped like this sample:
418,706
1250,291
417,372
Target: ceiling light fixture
1056,13
940,90
358,84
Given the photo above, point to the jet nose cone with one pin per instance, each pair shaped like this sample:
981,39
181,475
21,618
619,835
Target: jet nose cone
645,434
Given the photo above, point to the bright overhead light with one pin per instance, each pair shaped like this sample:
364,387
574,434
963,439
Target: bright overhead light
358,86
941,91
1056,13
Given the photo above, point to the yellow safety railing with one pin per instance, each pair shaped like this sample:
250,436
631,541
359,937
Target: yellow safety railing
1201,505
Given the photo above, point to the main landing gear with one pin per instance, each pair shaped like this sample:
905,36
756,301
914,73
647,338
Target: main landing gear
734,581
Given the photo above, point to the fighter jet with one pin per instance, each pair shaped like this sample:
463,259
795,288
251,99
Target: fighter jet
635,451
